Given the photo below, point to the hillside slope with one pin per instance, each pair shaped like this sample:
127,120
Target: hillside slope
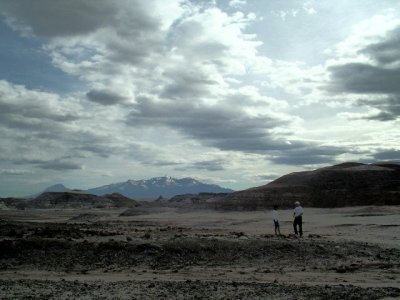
347,184
62,200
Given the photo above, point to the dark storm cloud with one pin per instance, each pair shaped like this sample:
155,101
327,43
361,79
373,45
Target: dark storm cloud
17,108
387,155
60,165
301,159
309,155
387,51
137,35
134,51
27,161
99,149
362,78
32,109
380,78
224,127
209,165
14,172
131,31
160,163
105,97
33,114
382,116
51,18
186,84
389,108
232,129
42,120
29,124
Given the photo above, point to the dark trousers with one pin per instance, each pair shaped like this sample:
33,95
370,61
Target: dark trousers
277,230
298,221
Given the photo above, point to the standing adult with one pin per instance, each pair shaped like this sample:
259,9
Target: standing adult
298,219
275,217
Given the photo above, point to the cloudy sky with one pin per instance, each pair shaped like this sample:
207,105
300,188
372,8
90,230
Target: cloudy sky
230,92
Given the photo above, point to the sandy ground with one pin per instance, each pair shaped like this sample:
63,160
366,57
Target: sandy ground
169,253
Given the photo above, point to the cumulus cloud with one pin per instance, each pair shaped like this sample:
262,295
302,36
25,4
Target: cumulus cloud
376,78
15,172
365,79
308,8
60,165
388,106
175,68
167,81
32,106
267,177
186,84
224,127
309,155
63,18
237,3
392,154
386,50
44,127
209,165
71,18
105,97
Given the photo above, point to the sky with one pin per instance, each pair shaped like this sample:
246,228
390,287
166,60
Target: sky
235,93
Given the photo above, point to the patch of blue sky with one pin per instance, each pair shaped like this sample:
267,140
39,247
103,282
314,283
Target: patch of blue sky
301,30
23,61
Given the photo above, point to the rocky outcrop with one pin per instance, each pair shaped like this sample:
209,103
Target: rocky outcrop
79,200
121,201
197,198
10,202
347,184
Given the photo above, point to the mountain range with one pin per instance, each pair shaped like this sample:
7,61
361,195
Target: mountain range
346,184
148,188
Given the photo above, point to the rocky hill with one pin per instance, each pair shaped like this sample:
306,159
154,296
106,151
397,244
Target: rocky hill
199,198
62,200
11,202
347,184
54,188
121,201
154,187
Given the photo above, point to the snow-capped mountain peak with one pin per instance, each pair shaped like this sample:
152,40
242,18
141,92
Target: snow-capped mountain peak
166,186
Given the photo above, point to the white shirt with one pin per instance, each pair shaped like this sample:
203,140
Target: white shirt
275,215
298,211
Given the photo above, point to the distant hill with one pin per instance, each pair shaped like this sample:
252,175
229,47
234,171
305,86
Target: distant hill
154,187
199,198
347,184
62,200
54,188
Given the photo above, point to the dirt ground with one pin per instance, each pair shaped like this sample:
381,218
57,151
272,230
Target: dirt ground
171,253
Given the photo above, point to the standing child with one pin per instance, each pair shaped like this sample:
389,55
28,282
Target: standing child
275,217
